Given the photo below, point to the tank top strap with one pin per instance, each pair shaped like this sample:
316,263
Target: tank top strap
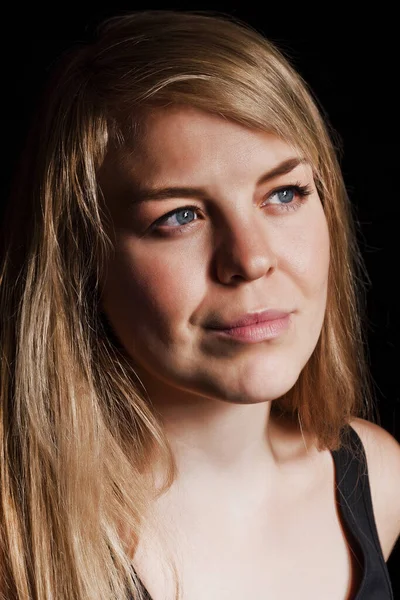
353,495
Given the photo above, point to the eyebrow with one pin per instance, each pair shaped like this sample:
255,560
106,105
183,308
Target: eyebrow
143,194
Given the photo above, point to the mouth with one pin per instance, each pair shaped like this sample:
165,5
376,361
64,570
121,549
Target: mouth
262,330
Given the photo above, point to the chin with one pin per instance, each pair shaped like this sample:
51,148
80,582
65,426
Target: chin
261,384
262,390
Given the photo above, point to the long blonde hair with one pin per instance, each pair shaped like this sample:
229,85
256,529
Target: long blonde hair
78,436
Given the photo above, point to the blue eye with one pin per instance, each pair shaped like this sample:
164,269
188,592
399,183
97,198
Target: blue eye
289,197
285,196
186,213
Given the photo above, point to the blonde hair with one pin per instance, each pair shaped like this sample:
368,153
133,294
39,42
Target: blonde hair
79,439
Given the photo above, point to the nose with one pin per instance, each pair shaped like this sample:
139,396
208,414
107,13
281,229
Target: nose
243,251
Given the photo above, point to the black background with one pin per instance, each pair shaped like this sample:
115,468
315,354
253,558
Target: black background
351,64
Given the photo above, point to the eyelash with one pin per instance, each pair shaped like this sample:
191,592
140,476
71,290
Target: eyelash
301,191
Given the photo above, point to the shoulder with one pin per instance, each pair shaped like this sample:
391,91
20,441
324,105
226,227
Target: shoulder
383,459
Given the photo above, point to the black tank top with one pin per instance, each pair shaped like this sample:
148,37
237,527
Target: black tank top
353,497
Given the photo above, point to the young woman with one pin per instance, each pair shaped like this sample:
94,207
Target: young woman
184,406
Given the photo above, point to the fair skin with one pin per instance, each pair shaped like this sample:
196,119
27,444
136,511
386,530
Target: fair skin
240,255
248,246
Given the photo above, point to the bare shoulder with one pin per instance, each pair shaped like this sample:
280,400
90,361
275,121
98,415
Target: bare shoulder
383,458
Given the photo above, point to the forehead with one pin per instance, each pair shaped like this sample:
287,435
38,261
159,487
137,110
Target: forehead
183,141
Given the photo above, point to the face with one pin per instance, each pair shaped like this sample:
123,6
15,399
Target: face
234,242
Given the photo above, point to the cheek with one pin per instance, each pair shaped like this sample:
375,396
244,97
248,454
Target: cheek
307,256
149,290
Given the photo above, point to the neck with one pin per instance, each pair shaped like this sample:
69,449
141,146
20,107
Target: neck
214,439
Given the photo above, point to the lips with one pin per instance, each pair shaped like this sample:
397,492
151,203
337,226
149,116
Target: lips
249,319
